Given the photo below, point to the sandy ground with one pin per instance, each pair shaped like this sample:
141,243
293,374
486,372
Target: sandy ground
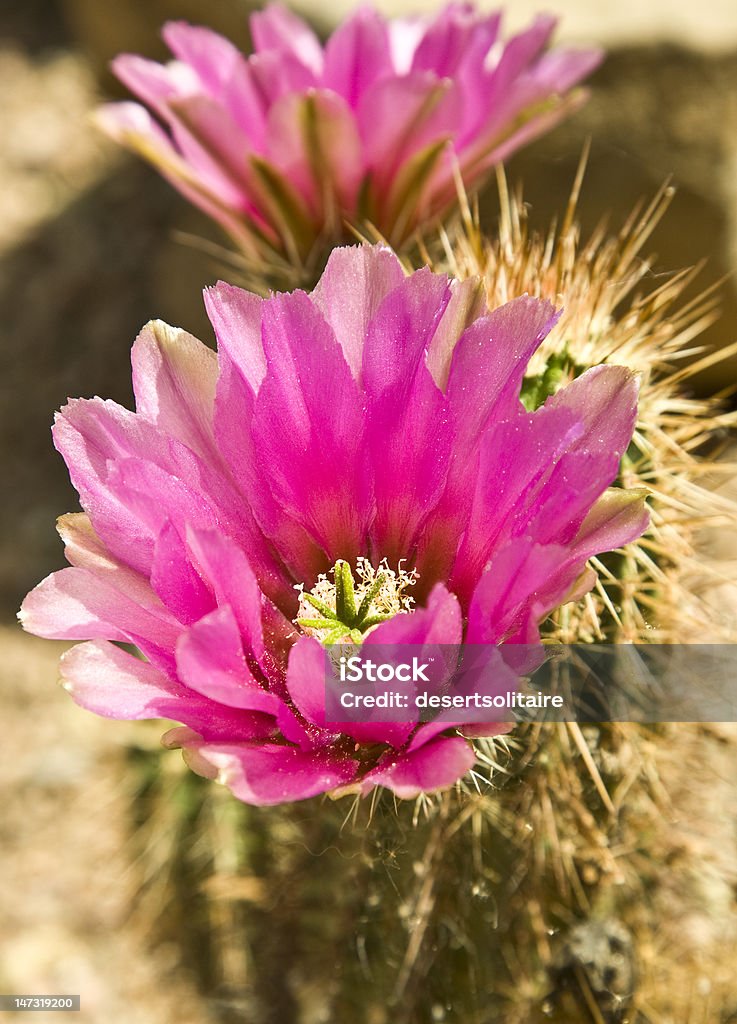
68,882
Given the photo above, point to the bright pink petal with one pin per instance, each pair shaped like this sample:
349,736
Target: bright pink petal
487,365
211,661
516,459
457,30
229,575
408,433
439,622
434,766
264,774
605,399
236,316
175,579
308,428
357,55
577,480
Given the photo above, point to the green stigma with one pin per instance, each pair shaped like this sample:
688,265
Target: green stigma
350,606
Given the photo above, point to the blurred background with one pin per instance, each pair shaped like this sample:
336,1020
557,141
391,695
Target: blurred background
92,245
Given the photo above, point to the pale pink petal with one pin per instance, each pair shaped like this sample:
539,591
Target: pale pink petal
414,111
616,519
154,83
77,604
211,56
131,125
278,28
314,142
373,272
235,315
174,380
104,679
467,303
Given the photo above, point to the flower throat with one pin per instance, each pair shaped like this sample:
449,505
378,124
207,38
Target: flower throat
352,604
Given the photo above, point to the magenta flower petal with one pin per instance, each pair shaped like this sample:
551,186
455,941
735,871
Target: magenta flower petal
211,661
264,774
226,569
408,432
435,765
457,37
510,592
515,459
490,359
175,579
374,273
288,146
605,400
104,679
313,453
439,622
306,676
354,466
357,55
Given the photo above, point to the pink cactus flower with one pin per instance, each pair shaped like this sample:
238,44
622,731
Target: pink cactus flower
373,426
299,140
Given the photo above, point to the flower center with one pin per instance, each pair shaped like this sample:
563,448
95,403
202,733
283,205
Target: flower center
351,605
